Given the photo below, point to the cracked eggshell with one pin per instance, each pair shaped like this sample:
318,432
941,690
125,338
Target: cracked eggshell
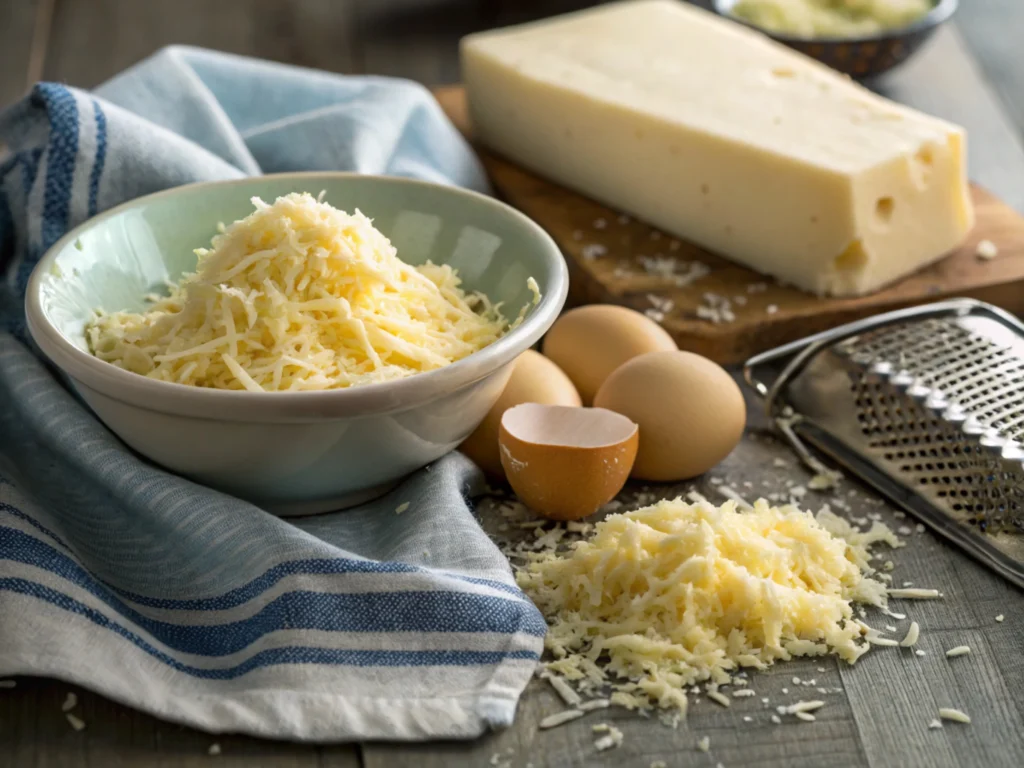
564,462
690,411
534,379
590,342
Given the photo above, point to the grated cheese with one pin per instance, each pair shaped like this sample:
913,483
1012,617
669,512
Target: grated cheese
300,296
560,718
663,597
611,740
948,713
913,632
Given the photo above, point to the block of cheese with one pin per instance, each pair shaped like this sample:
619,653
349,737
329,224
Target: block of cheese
720,136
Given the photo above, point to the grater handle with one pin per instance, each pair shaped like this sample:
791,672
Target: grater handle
802,350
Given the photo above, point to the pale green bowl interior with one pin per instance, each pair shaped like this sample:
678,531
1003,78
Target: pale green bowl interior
117,258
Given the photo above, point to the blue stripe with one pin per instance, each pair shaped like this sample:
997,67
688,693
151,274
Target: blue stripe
15,512
60,161
272,656
101,156
415,611
259,585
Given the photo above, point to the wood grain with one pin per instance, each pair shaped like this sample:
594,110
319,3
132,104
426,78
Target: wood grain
35,733
618,275
877,711
17,25
880,716
316,33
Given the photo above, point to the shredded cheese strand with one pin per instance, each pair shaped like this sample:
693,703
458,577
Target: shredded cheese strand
301,296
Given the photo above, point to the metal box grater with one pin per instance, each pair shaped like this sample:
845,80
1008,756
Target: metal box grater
926,405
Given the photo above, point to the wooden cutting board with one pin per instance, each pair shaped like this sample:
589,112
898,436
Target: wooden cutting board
615,259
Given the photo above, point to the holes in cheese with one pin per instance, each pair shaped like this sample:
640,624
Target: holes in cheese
777,137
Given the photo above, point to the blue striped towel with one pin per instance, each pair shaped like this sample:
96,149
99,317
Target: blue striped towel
182,601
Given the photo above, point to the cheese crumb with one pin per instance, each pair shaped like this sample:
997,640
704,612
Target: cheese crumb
719,698
987,250
948,713
999,618
402,507
914,594
960,650
214,749
70,702
560,718
565,691
704,744
612,740
910,639
76,722
935,724
300,296
8,683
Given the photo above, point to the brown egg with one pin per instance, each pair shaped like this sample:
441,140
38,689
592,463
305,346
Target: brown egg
588,343
690,412
535,379
563,462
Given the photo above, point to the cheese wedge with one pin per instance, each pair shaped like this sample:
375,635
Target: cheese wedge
718,135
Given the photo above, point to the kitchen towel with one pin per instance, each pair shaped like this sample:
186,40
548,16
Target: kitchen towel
185,602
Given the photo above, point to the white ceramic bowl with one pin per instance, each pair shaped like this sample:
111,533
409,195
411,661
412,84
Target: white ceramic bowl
303,452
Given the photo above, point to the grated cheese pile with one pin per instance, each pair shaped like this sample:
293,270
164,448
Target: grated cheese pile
675,594
300,296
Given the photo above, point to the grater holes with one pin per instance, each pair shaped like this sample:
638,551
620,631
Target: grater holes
936,457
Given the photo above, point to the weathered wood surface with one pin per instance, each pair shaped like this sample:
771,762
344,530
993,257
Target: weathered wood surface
880,718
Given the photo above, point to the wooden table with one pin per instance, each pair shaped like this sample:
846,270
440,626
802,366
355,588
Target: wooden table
972,73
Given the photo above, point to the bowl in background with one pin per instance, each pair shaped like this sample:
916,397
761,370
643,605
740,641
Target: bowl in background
862,58
293,452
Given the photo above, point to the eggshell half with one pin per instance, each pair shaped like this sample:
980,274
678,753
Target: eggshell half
690,411
590,342
563,462
534,379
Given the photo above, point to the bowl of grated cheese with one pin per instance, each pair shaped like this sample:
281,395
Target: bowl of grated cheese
302,351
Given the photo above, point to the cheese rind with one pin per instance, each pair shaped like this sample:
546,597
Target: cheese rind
716,134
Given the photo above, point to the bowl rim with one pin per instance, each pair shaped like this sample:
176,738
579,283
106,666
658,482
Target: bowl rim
940,12
287,407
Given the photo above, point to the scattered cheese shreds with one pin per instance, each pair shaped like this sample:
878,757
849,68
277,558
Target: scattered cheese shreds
70,702
565,691
960,650
704,744
300,296
611,740
560,718
914,594
987,250
719,698
214,749
667,596
76,722
948,713
913,632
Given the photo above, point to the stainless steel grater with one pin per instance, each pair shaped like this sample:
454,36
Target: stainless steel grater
926,405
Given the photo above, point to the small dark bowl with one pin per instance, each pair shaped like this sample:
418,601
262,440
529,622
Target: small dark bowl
862,58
